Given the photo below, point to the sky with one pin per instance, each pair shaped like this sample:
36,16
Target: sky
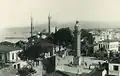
17,13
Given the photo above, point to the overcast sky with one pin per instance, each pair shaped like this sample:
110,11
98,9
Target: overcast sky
18,12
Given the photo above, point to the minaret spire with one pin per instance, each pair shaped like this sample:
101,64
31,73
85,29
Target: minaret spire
49,18
31,26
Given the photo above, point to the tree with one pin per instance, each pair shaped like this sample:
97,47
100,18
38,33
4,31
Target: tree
102,53
20,44
31,53
63,36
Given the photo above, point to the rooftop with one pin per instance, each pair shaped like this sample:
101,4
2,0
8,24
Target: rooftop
115,60
8,48
115,40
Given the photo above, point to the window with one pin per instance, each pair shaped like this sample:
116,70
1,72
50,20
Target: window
12,55
99,45
18,66
14,66
115,68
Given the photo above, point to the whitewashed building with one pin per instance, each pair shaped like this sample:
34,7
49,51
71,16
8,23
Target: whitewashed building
117,35
20,64
114,67
107,35
9,53
112,45
97,38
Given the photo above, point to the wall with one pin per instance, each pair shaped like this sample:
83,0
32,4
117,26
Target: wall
22,64
104,72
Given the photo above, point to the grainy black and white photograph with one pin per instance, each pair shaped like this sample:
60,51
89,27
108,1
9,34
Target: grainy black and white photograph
59,37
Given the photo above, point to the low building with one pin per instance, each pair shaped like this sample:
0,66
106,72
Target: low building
108,34
111,45
9,53
20,64
97,38
114,67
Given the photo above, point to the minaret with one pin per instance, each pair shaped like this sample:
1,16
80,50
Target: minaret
31,27
49,18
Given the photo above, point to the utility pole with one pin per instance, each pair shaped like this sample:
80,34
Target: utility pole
49,19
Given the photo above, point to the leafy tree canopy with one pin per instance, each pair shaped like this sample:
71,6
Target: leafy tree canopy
20,44
63,36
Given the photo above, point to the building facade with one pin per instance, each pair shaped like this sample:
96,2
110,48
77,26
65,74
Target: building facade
114,69
111,45
9,53
12,56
